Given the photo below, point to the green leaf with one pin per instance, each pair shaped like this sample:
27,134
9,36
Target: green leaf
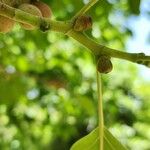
91,142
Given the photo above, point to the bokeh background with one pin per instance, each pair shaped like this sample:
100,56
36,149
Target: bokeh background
48,88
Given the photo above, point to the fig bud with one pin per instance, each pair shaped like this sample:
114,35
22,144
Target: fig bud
6,24
104,64
44,8
82,23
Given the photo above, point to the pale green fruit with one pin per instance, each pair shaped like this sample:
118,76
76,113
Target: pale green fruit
6,24
44,8
32,10
9,2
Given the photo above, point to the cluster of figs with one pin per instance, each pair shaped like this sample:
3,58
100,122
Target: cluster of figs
41,9
34,7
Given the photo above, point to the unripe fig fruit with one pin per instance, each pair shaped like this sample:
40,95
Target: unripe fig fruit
9,2
44,8
15,3
82,23
25,1
6,24
32,10
104,65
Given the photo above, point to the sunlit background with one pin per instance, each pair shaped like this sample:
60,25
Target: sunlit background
140,42
48,86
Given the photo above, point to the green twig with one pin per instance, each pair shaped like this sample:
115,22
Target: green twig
98,50
100,112
85,9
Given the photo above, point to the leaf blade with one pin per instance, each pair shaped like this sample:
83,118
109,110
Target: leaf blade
91,142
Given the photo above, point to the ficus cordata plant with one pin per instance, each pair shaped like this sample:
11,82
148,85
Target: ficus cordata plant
35,14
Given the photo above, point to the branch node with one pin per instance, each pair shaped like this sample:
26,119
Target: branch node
44,26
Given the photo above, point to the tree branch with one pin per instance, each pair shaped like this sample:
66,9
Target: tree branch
98,50
23,17
65,26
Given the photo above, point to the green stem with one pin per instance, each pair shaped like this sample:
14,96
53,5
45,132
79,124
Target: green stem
86,41
98,49
85,8
100,112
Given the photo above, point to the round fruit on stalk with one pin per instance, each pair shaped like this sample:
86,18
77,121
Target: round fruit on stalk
9,2
32,10
44,8
6,24
18,3
82,23
104,65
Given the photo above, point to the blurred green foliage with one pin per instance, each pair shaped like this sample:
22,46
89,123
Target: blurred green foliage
48,84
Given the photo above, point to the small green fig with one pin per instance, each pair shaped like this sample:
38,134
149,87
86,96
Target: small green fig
104,64
6,24
44,8
82,23
32,10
